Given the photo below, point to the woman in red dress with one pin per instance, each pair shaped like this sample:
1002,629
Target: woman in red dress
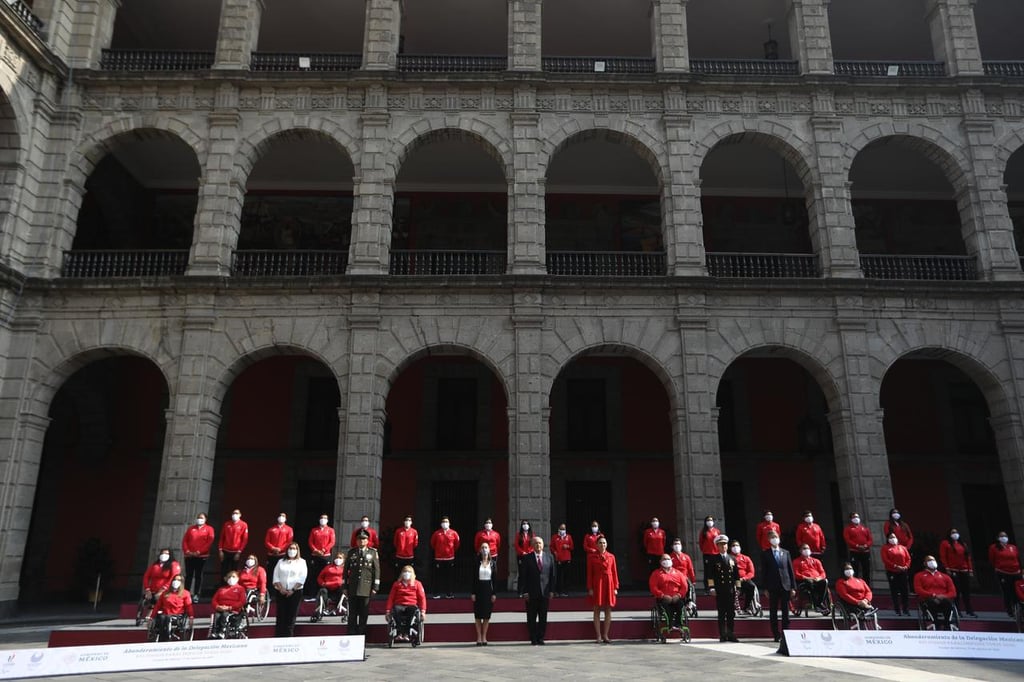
602,588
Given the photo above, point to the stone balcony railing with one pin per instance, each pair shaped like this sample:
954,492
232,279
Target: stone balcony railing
884,69
753,265
436,262
294,61
1004,69
451,63
745,67
115,263
273,263
598,64
155,60
948,268
606,263
24,12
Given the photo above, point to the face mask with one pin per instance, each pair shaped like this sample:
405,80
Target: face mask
1003,539
805,552
855,521
444,526
526,527
735,550
175,584
666,563
809,519
896,516
364,524
768,518
236,517
250,562
593,529
954,536
232,581
292,553
654,525
323,522
774,542
894,541
848,572
200,521
406,575
407,524
677,548
281,519
339,562
164,557
931,565
709,523
488,526
561,532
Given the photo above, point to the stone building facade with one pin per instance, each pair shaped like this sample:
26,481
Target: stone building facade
201,328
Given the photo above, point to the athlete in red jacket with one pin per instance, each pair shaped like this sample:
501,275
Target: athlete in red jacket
956,558
670,587
195,547
226,601
406,540
276,541
1005,559
854,592
766,526
591,538
936,593
321,546
445,543
234,536
811,575
896,559
681,561
809,533
745,570
364,524
159,574
491,537
859,541
654,544
562,548
706,542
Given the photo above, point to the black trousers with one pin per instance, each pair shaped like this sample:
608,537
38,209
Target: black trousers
358,614
194,574
778,599
725,600
561,577
444,576
287,610
1006,582
899,589
708,560
962,582
230,563
941,609
673,611
537,618
861,562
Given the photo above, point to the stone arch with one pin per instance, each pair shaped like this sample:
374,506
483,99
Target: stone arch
781,139
422,132
387,374
931,143
255,145
631,133
1006,147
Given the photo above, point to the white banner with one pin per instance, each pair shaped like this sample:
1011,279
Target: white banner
905,644
214,653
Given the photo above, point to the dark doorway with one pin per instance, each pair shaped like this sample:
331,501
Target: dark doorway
987,514
586,501
736,513
312,499
458,501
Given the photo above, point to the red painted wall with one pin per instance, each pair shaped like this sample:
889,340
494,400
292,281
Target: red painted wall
911,415
776,402
260,408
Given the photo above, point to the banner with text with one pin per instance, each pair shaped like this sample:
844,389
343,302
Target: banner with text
905,644
108,658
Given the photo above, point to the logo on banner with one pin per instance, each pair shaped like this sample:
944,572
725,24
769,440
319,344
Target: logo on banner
35,660
9,663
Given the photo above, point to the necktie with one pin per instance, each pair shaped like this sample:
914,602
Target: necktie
776,556
540,564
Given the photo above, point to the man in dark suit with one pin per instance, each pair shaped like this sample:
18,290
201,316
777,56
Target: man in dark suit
778,580
725,576
536,579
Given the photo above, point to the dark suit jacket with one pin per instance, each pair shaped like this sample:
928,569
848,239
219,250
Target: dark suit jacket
534,582
777,576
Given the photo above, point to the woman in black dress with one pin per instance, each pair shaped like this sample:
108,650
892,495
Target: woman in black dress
483,594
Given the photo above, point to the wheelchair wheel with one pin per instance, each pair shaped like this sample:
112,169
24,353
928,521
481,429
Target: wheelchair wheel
756,610
417,639
342,608
321,607
392,633
262,609
660,631
140,612
684,635
925,621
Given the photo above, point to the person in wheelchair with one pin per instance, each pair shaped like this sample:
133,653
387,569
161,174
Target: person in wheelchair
159,575
670,588
745,568
811,579
855,593
331,581
228,601
406,601
935,593
253,577
172,608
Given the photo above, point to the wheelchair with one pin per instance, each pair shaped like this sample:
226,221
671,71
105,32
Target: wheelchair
175,628
926,619
236,626
145,606
846,617
325,607
752,607
409,630
802,603
661,626
253,607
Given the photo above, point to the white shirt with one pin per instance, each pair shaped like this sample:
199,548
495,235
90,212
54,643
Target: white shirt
290,573
484,573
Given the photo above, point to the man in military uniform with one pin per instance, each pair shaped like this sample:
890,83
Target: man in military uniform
362,581
725,577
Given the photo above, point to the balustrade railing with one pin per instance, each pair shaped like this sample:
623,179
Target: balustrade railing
115,263
751,265
436,262
890,69
745,67
1004,69
954,268
606,263
293,61
451,63
598,64
155,60
273,263
24,12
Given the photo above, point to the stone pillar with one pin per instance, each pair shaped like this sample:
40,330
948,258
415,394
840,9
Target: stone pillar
1009,434
361,417
524,35
93,30
221,195
833,231
984,215
526,222
809,35
681,216
671,42
381,34
238,33
955,36
374,200
59,18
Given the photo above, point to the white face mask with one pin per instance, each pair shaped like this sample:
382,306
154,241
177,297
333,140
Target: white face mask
931,565
364,524
175,584
281,519
323,522
406,575
488,526
954,536
200,521
735,550
774,542
809,519
526,527
593,529
654,525
339,562
855,520
1003,539
666,563
768,518
896,516
805,552
407,524
292,553
677,548
709,523
236,517
444,525
232,581
561,532
848,572
250,562
164,557
894,541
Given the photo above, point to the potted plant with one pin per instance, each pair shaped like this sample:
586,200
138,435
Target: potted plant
93,568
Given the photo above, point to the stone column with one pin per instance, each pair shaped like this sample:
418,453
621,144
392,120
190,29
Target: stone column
671,42
681,217
809,35
832,227
93,30
984,214
374,192
526,222
1007,426
238,33
955,36
221,195
381,34
59,17
524,35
